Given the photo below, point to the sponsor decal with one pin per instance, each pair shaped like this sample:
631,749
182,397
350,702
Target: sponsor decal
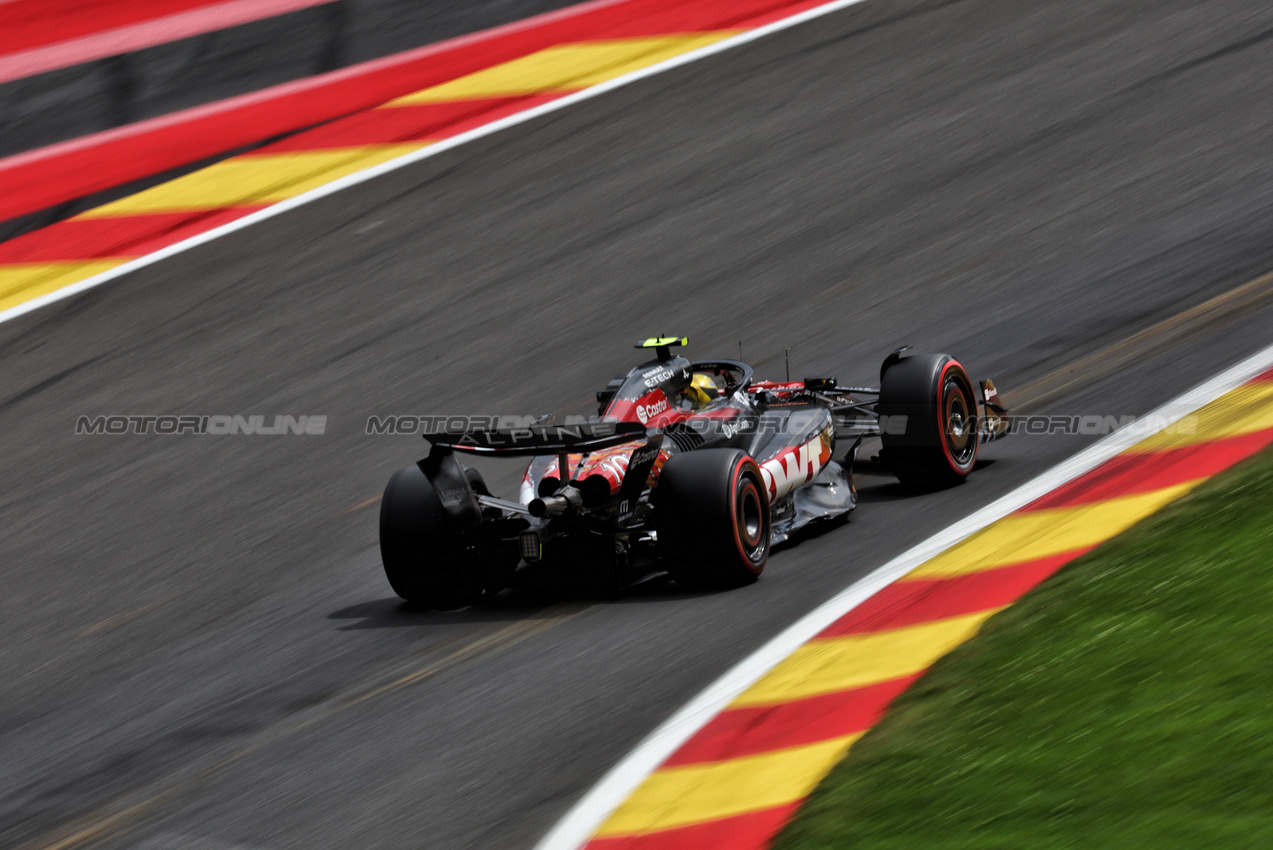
646,455
795,466
614,467
659,374
646,412
656,376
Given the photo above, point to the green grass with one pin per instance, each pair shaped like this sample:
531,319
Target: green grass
1126,702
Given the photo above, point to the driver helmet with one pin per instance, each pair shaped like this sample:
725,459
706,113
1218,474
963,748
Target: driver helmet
701,392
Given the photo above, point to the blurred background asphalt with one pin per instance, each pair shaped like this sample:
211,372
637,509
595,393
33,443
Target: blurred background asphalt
199,642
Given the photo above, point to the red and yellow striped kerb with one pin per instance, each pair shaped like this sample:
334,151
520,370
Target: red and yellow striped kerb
587,54
741,777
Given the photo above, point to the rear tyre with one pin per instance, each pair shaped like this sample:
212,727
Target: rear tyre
712,512
423,557
938,446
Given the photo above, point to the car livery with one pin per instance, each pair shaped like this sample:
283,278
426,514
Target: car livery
661,481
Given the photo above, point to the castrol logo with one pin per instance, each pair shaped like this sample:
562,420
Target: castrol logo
645,411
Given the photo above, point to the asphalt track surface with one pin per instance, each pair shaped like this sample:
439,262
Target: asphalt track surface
200,649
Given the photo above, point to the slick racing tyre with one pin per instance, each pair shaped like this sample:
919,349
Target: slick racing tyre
423,557
935,444
712,513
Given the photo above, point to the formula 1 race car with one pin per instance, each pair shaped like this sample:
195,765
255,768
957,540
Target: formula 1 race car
693,468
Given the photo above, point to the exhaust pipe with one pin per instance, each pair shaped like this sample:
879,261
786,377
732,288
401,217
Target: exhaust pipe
568,498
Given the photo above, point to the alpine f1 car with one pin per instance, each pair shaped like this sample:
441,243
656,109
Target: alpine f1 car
694,468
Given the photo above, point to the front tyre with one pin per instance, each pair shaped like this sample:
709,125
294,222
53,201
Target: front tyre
713,521
934,443
423,557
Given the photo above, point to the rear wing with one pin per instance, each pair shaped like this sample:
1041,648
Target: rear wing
540,439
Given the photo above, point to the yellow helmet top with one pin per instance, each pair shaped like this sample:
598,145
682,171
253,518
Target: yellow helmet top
701,392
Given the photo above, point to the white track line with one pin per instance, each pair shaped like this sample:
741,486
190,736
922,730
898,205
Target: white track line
424,153
617,785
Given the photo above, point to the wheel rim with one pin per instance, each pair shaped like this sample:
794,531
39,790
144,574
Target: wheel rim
749,511
959,423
